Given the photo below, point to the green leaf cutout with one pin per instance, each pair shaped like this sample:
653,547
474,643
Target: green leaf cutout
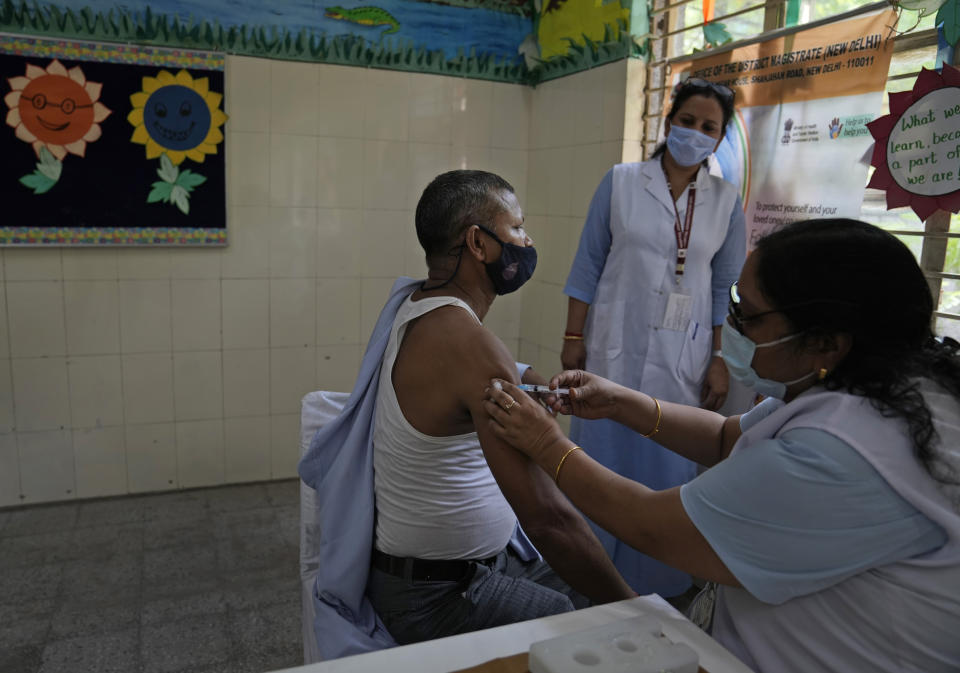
38,182
167,171
181,197
949,15
188,180
49,165
160,192
716,34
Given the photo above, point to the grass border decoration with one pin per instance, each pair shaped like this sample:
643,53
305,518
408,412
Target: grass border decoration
150,28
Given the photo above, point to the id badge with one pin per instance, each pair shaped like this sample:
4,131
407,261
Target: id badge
677,315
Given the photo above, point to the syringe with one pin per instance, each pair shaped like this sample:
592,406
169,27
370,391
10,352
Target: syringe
543,390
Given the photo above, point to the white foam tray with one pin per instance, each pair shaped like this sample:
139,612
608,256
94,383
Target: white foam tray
636,645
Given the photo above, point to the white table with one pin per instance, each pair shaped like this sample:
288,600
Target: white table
470,649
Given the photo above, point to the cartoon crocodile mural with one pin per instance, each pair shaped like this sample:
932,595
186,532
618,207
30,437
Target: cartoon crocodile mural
365,16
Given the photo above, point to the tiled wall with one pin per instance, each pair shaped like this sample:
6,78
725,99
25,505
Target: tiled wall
577,133
125,370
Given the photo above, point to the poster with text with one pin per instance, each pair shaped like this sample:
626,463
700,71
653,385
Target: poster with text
798,146
107,144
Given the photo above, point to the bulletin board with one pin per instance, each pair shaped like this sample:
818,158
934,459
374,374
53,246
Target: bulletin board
108,144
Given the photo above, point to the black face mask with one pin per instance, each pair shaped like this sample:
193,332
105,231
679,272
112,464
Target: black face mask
514,267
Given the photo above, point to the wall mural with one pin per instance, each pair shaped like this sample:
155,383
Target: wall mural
107,144
522,41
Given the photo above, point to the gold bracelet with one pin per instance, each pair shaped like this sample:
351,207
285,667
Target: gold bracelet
656,427
556,477
567,337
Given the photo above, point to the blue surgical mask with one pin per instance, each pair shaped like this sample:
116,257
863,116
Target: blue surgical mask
738,351
513,268
689,147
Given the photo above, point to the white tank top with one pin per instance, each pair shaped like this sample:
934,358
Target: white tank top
902,617
436,497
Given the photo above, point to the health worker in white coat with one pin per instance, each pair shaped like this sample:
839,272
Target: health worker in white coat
830,517
662,243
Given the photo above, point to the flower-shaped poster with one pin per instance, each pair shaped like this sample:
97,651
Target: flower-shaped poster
110,144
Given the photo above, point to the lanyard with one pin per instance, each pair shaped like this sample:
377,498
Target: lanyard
683,232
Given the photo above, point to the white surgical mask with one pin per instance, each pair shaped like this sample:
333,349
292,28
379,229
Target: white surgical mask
738,350
689,147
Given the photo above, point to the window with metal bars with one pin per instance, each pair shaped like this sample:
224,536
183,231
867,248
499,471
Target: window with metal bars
677,32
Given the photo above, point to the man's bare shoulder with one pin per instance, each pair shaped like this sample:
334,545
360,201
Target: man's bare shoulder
455,337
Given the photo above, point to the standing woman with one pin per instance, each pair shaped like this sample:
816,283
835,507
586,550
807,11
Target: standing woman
662,243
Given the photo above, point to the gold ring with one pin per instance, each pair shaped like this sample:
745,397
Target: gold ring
510,406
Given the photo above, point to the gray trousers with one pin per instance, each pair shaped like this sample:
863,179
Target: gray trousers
509,590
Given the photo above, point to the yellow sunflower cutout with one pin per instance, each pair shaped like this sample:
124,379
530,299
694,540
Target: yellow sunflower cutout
178,116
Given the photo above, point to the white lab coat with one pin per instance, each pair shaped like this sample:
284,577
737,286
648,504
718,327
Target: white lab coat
624,337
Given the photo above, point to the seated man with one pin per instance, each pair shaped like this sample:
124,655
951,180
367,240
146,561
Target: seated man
448,492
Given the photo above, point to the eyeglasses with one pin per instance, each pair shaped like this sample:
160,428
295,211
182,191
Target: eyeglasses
67,105
736,313
725,92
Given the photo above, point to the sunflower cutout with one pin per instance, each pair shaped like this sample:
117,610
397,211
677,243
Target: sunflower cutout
57,111
176,117
918,144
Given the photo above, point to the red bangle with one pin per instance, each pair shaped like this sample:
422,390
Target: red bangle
573,334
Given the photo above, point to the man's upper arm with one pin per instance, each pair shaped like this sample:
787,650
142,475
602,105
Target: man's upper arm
526,487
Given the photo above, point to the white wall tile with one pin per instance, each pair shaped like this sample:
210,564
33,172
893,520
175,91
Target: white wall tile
374,293
386,100
503,319
145,320
151,457
382,186
339,242
93,316
338,311
144,264
7,419
511,165
196,314
532,312
431,109
284,445
246,383
510,118
46,466
472,112
560,172
337,367
194,263
148,388
197,386
41,394
340,109
90,264
35,314
537,181
292,375
293,242
247,452
200,453
4,326
591,165
32,264
247,81
340,181
294,97
293,170
380,232
553,318
474,157
246,253
293,311
425,162
246,313
248,178
9,470
101,462
96,391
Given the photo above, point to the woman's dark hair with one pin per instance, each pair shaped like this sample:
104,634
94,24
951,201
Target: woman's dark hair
687,90
837,276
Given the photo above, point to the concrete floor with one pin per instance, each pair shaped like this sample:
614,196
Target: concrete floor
197,581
